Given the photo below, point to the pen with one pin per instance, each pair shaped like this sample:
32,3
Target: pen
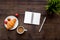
42,24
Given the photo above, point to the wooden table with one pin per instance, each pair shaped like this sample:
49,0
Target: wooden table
50,30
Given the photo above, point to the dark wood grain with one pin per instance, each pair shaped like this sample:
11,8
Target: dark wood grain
50,30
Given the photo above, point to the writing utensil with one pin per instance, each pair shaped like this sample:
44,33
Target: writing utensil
42,24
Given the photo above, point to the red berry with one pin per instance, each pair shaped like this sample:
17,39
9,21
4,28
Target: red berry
16,14
5,22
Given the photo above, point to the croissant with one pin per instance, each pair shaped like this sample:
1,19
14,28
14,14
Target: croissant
11,23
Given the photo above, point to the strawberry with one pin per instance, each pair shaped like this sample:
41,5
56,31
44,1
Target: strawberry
5,22
16,14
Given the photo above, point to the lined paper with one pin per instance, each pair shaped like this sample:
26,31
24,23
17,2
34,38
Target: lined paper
28,17
36,18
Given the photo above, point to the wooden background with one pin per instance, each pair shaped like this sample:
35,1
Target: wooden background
50,30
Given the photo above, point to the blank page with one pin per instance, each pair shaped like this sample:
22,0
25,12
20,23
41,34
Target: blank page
28,17
36,18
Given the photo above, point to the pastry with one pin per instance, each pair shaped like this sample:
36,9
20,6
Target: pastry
10,23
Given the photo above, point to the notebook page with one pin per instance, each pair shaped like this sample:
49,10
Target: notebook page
28,17
36,18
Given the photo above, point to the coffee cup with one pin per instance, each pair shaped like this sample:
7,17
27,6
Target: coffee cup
21,30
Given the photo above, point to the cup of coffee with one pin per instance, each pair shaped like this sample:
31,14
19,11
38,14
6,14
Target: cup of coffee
21,30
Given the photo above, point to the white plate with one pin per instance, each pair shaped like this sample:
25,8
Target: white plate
16,24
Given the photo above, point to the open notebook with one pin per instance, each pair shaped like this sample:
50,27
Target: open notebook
32,18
